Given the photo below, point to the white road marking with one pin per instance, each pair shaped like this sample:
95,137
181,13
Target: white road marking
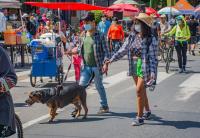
32,122
115,79
110,81
189,87
162,76
19,74
44,78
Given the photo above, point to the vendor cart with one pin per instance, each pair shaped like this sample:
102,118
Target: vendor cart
44,62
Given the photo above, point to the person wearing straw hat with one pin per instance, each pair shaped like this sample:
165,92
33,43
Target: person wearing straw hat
141,47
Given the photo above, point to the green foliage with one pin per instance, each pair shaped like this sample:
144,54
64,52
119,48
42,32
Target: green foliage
97,15
155,3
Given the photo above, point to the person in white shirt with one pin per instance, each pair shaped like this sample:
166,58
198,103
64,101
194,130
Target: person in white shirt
164,25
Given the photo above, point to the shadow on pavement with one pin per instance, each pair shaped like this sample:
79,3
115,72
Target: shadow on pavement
192,72
114,114
20,105
60,121
176,124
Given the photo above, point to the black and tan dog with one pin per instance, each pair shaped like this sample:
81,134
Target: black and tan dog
59,97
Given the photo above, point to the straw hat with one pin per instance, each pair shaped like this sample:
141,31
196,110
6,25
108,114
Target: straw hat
143,17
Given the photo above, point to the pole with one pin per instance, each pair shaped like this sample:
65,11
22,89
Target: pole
59,20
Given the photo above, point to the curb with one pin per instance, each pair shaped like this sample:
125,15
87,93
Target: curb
25,74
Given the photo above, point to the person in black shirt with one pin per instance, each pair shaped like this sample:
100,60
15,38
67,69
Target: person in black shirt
193,25
30,25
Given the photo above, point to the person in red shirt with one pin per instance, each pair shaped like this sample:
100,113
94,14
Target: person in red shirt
115,35
41,30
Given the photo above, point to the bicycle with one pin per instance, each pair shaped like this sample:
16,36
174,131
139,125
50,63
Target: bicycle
169,49
19,129
162,50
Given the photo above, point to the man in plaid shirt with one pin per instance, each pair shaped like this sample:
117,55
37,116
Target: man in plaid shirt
94,52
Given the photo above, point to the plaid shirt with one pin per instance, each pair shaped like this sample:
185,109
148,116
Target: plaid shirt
148,55
101,51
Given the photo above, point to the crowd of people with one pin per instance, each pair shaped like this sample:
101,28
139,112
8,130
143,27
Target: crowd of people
96,46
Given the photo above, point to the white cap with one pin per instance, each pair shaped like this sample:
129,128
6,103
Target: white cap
25,15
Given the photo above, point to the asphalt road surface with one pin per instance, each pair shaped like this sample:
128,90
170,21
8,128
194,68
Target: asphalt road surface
175,105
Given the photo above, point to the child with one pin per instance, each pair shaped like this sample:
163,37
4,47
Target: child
76,59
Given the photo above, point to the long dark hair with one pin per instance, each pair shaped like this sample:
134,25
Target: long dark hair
146,30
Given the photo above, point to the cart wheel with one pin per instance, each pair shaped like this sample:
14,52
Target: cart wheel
33,80
41,80
60,75
60,78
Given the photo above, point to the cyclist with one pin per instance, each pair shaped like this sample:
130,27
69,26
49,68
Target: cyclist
8,80
182,35
164,25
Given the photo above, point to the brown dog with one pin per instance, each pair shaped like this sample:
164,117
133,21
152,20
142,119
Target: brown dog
59,97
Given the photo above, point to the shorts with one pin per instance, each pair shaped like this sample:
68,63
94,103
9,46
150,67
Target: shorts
193,40
138,68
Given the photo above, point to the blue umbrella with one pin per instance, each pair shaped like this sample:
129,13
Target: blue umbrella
169,11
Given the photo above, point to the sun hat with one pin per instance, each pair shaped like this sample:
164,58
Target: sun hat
143,17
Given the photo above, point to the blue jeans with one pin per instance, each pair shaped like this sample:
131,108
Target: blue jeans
87,74
116,44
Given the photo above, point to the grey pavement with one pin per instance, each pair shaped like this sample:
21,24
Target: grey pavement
174,103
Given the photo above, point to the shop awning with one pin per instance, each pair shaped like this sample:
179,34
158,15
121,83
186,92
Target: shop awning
65,6
10,4
184,7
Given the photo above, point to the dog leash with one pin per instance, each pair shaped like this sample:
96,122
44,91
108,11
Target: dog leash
69,67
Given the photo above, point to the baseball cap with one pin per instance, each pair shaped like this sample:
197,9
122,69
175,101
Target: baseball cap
25,15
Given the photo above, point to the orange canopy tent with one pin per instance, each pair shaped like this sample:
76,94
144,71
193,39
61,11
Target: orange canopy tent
184,7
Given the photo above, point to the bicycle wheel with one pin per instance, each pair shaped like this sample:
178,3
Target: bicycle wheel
163,52
160,54
19,127
167,66
33,80
168,59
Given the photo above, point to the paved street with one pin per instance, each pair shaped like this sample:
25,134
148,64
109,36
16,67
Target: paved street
175,106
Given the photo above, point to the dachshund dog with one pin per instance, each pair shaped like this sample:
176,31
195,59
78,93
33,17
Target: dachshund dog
60,97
